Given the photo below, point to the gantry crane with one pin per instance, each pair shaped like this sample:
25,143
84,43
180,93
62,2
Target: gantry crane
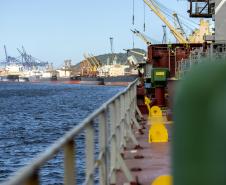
142,36
152,5
9,59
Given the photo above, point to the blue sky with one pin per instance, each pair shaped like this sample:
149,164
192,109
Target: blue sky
55,30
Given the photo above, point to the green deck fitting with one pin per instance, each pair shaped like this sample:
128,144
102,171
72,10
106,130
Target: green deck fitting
199,141
159,76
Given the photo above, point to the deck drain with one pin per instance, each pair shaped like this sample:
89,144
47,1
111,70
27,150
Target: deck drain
138,157
136,169
138,147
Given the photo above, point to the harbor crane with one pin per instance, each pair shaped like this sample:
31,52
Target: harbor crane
90,65
142,36
98,63
132,59
9,59
27,60
152,5
135,52
6,55
91,61
30,61
179,25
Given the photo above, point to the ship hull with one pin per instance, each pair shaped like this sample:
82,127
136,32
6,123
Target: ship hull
92,81
119,80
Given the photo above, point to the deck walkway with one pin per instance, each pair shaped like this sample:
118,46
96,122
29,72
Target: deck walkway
149,162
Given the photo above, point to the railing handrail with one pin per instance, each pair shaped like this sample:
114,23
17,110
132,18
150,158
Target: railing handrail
27,171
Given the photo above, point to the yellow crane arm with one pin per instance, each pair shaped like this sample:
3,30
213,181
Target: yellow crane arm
97,62
90,63
176,34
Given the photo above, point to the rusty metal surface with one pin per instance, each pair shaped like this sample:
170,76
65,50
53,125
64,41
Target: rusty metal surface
168,56
148,163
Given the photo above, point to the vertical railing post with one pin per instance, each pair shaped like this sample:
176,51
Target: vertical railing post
33,180
113,143
134,97
118,129
69,169
126,117
127,113
103,169
89,153
129,132
123,120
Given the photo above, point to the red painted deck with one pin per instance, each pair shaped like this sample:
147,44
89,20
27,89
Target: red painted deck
156,159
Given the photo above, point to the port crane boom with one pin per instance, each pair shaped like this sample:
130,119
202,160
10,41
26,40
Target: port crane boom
135,52
142,37
91,60
98,63
157,11
180,27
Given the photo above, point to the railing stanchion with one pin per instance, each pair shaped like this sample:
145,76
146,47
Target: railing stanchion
113,144
103,169
69,166
89,153
117,131
33,180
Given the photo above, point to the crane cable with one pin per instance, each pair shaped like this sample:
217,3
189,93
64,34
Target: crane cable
168,13
133,18
163,7
144,17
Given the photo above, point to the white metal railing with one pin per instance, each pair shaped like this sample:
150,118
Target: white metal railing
115,119
198,56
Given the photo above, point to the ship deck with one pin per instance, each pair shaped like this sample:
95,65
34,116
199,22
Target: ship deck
149,162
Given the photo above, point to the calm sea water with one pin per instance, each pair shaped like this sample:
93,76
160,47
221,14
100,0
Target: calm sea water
33,116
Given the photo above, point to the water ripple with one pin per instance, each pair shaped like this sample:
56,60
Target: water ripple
32,116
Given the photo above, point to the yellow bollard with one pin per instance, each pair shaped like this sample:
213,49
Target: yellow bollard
156,111
158,133
163,180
